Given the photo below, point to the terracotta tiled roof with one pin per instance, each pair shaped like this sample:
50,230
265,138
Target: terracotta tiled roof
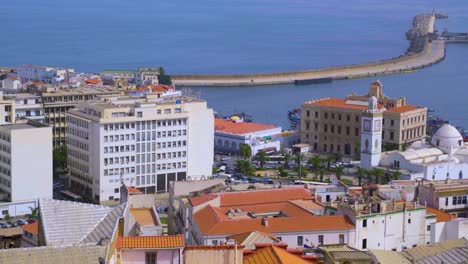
440,216
133,190
264,196
210,223
402,109
176,241
144,216
239,128
93,81
230,199
201,199
156,88
339,103
220,247
32,228
240,238
289,208
274,255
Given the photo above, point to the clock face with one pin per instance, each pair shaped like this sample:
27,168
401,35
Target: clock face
377,125
367,125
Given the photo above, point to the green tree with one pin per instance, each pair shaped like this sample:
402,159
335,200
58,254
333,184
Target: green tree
315,161
245,151
299,157
244,167
303,172
396,175
282,172
163,78
357,155
361,172
262,158
378,174
34,211
214,170
339,171
321,173
287,157
330,159
59,156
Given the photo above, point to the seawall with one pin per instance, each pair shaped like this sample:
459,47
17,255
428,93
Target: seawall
422,53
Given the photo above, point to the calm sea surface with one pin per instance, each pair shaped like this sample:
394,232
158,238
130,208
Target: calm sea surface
239,36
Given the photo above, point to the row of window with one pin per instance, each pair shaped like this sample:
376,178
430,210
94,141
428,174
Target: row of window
119,171
5,159
332,115
77,155
5,148
5,171
81,177
78,166
77,122
77,144
143,125
5,182
77,133
143,169
167,111
5,137
456,200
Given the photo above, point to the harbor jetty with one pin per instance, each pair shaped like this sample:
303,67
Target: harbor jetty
424,50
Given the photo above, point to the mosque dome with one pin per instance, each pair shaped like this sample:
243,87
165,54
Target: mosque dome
447,136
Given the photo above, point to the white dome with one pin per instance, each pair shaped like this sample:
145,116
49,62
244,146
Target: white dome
447,136
419,145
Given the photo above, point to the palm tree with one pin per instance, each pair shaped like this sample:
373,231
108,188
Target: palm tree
262,158
287,157
245,151
361,172
396,175
244,167
321,173
378,173
338,172
315,161
299,158
330,158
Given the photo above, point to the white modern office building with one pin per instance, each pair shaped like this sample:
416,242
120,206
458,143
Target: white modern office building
143,142
25,161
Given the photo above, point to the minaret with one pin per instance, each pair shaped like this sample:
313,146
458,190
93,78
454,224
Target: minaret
371,135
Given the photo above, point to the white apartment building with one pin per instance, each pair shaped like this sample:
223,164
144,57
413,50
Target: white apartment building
144,142
386,225
46,74
25,161
450,196
27,106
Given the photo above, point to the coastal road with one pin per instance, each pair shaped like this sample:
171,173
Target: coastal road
432,53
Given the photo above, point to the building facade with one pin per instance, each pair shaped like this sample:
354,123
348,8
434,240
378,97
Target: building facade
145,142
26,161
230,134
46,74
333,125
57,102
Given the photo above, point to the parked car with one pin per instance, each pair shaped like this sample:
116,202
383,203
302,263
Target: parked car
224,158
22,222
267,181
4,225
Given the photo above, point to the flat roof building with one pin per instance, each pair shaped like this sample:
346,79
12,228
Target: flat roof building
143,142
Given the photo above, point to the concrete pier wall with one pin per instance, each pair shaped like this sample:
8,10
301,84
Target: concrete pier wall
432,53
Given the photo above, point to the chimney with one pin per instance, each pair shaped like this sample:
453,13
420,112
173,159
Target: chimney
265,221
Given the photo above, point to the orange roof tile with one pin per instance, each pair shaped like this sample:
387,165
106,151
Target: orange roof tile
239,128
175,241
211,223
289,208
92,81
240,238
263,196
32,228
402,109
273,255
339,103
201,199
219,247
144,216
156,88
440,215
133,190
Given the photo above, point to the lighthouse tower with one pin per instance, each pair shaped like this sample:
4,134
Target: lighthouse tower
371,135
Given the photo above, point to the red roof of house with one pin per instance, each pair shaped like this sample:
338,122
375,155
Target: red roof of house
239,128
275,255
402,109
340,103
93,81
440,215
219,247
155,88
254,197
212,222
175,241
133,190
32,228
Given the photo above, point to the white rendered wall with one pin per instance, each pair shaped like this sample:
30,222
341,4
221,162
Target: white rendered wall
31,163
